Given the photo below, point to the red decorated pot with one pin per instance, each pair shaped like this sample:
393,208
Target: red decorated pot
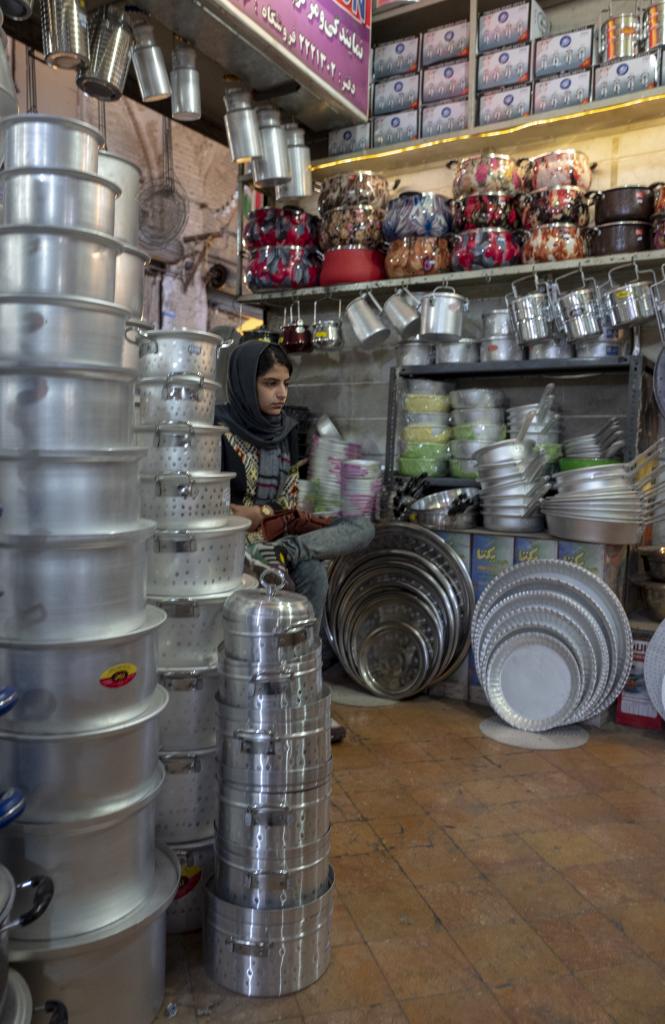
491,172
485,247
350,226
658,233
283,266
551,243
413,257
560,167
658,199
262,227
486,210
296,227
566,204
360,188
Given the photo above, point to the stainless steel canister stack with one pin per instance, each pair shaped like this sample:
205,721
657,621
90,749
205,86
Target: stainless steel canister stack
195,563
77,639
268,909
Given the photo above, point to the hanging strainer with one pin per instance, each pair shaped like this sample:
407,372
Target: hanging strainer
163,205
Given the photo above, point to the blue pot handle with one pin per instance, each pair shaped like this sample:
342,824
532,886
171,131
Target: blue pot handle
12,803
8,698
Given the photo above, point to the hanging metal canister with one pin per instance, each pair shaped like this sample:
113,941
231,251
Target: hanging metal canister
273,168
111,48
65,33
242,126
300,182
620,37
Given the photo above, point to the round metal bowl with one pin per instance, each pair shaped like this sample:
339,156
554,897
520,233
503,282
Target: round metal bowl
456,507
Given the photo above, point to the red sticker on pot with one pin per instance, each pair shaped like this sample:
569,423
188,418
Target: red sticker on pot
189,879
118,675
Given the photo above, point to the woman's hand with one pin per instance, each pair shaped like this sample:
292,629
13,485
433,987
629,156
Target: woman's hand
251,512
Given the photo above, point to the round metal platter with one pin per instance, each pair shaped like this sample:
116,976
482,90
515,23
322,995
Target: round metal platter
654,669
511,670
390,652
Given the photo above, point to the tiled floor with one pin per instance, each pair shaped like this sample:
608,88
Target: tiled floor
478,884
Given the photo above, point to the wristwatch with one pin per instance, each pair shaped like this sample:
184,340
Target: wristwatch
266,510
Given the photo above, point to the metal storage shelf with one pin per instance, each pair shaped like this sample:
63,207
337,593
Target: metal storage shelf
542,367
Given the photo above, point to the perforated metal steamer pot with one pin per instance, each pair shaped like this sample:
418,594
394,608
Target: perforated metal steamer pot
179,351
197,865
186,806
288,685
269,626
195,563
189,719
187,499
283,878
177,396
180,447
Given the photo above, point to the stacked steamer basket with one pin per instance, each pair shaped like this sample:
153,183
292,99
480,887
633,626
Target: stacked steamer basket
77,639
195,562
268,910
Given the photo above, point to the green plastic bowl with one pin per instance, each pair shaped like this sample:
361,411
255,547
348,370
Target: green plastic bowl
566,464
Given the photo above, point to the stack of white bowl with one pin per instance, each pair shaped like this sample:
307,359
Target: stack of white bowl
478,419
328,455
77,640
361,483
195,563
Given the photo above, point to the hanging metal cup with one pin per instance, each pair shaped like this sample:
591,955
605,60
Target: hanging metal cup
365,321
185,85
65,33
273,168
111,48
300,182
242,126
149,65
402,310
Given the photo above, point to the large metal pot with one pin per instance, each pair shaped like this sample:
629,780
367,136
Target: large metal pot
186,806
442,315
181,500
195,629
73,588
67,493
195,563
530,313
164,352
269,626
628,202
242,126
619,236
629,304
70,777
50,408
560,167
129,280
261,820
127,176
267,952
251,686
552,205
288,877
40,140
76,970
496,323
41,330
619,37
489,172
189,719
177,447
108,682
41,261
197,865
35,906
578,312
177,396
59,199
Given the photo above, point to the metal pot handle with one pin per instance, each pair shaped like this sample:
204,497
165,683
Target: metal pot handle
257,814
181,764
277,879
147,347
185,490
186,545
12,803
43,886
8,698
637,271
245,948
254,738
134,335
275,573
180,427
182,682
368,295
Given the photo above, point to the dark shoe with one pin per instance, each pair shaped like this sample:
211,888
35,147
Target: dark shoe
337,732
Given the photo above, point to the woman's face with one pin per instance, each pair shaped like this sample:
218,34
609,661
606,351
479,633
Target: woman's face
272,390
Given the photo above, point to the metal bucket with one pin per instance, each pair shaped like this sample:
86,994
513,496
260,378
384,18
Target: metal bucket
197,865
189,720
65,33
179,447
186,805
195,563
267,952
281,879
264,822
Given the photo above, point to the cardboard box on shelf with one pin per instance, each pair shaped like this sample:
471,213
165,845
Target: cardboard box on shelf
398,57
504,67
447,42
395,94
634,707
564,52
532,549
353,139
562,92
504,104
620,77
490,556
608,561
443,118
445,81
515,23
391,128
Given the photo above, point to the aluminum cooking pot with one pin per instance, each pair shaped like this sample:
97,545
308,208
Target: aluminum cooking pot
287,877
618,237
442,315
129,280
653,26
41,330
109,682
631,303
195,563
50,260
327,333
186,805
59,199
51,408
41,140
260,820
268,626
181,500
530,313
578,313
178,446
197,864
177,396
101,864
165,352
619,37
9,890
249,686
66,776
127,176
363,316
67,493
77,969
628,202
105,596
189,719
402,309
496,323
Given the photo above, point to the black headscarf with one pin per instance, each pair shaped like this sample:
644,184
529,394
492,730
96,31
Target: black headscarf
242,413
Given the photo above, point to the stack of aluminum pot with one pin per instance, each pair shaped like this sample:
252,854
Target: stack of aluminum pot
77,640
195,563
268,909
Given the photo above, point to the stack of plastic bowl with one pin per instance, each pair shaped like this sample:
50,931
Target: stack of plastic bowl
77,640
269,907
425,431
544,430
328,455
477,420
361,483
513,481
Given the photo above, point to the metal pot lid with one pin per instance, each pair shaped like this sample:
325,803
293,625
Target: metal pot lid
267,610
203,337
59,122
154,618
247,582
144,528
182,849
18,1005
232,524
180,379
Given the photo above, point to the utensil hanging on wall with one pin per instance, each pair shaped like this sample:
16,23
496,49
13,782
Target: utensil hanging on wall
242,126
111,48
149,65
163,205
185,84
65,40
273,168
300,182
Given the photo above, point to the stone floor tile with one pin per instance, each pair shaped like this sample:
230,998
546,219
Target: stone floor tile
344,930
422,964
521,763
631,993
385,1013
342,807
496,791
351,837
504,953
443,863
411,830
586,941
538,893
560,1000
353,980
398,753
497,854
460,905
393,912
476,1005
609,885
564,847
643,922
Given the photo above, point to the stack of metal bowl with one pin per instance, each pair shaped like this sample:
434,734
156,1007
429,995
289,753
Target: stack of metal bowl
268,909
77,640
195,563
513,481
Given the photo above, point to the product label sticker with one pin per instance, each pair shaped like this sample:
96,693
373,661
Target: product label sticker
189,879
118,675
